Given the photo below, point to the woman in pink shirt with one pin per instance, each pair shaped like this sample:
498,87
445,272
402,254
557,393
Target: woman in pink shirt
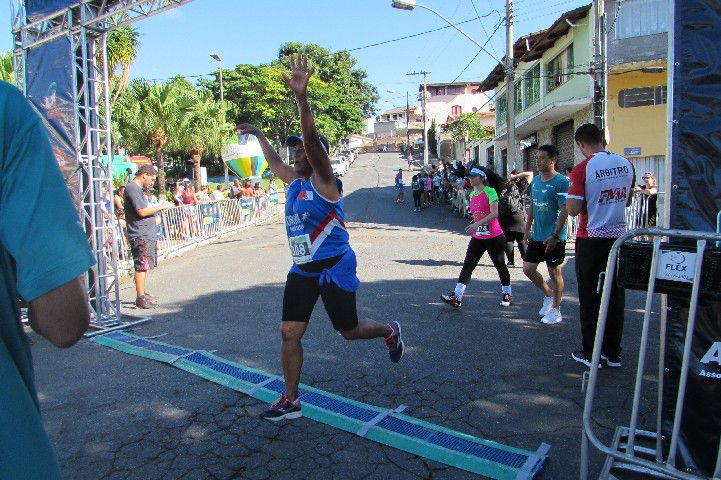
486,236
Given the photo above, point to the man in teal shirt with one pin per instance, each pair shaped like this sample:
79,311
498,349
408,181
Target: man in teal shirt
43,252
547,242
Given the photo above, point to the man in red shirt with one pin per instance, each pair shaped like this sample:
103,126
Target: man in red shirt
601,189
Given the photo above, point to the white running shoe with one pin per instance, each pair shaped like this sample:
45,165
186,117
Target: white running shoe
547,305
553,316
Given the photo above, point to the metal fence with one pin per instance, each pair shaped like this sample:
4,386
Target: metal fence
633,449
189,226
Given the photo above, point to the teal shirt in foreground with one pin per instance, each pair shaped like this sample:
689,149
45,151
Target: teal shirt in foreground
42,246
547,198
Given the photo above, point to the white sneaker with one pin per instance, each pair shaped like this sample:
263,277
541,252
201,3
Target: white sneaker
547,305
553,316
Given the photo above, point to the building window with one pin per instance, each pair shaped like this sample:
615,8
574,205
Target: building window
519,97
454,90
489,156
642,96
501,109
437,91
637,18
532,85
560,68
456,110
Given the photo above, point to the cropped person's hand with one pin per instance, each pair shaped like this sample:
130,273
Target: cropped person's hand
248,128
472,227
550,243
299,75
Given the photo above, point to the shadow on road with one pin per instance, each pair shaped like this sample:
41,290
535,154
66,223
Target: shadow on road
486,371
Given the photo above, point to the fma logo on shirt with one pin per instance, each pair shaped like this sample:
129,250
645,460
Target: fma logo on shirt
612,195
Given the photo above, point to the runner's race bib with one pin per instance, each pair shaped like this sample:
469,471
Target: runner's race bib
300,249
483,230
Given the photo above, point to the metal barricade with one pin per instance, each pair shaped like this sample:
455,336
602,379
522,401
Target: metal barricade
188,226
624,453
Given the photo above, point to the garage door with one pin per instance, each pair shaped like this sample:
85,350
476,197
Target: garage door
529,158
563,135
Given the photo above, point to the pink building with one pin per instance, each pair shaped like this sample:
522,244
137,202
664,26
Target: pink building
447,101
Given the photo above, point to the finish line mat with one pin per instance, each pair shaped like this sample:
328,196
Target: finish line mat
385,426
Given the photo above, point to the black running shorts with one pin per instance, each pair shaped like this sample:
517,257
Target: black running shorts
536,253
301,294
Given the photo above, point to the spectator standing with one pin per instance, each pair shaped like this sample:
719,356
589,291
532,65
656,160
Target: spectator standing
650,190
118,202
601,188
142,233
202,196
189,195
218,194
429,188
399,186
416,187
512,217
547,241
247,191
235,189
41,268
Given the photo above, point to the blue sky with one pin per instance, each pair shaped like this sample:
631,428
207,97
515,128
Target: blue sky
250,31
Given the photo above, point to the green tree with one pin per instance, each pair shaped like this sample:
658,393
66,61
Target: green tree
339,94
150,119
7,73
468,128
123,46
433,138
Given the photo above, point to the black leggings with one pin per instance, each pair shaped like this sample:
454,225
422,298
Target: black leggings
518,238
417,198
476,249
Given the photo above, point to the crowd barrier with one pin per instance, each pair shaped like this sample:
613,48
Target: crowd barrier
188,226
637,214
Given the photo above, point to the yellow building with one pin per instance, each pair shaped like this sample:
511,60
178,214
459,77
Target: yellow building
637,114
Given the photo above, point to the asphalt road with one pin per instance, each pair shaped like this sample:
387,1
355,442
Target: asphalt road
486,371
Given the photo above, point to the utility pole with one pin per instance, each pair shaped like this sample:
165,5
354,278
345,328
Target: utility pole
599,65
423,106
408,122
510,91
217,58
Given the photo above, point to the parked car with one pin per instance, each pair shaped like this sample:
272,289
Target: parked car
339,165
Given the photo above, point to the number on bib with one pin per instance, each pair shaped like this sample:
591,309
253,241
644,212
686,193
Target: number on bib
300,248
483,230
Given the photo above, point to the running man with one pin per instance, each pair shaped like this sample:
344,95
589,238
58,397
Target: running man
486,236
324,263
399,186
547,242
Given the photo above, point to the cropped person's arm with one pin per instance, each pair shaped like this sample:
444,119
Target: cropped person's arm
62,314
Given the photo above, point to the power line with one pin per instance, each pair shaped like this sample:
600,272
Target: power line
363,47
482,25
479,51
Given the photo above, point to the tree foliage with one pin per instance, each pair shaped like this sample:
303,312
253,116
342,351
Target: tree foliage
433,138
174,116
468,128
7,73
339,94
122,51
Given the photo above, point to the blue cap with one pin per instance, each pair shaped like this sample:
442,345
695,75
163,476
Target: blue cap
477,172
293,140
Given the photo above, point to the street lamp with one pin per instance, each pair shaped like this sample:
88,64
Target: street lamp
511,125
217,58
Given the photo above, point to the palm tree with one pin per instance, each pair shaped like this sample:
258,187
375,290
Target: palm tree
152,117
7,73
122,51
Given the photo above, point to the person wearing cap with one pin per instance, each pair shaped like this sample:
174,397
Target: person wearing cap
399,186
486,236
324,264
